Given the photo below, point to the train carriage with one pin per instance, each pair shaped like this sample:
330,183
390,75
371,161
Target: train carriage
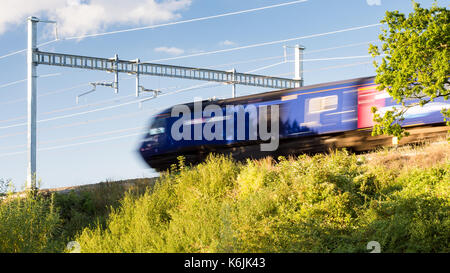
311,118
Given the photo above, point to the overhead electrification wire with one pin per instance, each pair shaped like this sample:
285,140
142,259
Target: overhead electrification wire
69,115
338,47
205,85
307,52
24,80
85,105
13,53
24,50
252,60
249,61
319,69
58,91
85,122
95,110
311,60
208,84
324,68
104,108
79,137
89,111
74,144
265,67
160,25
72,108
185,21
338,58
338,66
179,57
268,43
141,100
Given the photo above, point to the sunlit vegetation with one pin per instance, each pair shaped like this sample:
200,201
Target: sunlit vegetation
336,202
323,203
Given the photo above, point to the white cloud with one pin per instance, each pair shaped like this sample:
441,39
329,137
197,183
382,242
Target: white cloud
170,50
373,2
227,43
78,17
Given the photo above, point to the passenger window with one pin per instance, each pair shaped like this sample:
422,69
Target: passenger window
323,104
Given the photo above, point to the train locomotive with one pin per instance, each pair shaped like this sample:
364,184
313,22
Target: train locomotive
308,119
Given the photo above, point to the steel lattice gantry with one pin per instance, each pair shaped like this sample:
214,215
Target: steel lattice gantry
135,67
116,66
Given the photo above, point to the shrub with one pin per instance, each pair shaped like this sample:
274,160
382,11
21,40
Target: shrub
321,203
28,224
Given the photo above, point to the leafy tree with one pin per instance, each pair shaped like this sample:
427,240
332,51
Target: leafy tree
415,64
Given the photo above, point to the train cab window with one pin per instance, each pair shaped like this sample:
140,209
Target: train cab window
157,131
158,126
322,104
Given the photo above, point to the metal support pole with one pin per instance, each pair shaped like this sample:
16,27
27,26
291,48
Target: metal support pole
137,78
299,63
31,89
116,74
233,92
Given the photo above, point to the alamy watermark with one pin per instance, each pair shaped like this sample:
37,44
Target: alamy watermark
208,123
73,247
374,246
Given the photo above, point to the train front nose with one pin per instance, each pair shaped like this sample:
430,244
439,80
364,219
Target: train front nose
155,141
149,144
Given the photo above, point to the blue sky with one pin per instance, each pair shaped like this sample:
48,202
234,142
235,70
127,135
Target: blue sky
85,144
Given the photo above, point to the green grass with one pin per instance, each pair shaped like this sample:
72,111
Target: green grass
324,203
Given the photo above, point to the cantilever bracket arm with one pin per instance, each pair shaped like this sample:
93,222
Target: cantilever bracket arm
94,87
155,94
155,91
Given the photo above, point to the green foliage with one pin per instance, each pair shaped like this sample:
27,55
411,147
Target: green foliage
42,222
28,224
416,64
91,206
389,123
180,214
323,203
77,212
416,217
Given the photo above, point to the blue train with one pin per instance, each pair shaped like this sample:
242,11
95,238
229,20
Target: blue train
285,122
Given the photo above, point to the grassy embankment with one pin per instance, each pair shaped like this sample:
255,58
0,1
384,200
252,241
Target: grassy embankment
323,203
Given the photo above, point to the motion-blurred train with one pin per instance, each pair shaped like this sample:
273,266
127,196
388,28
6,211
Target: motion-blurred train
310,119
